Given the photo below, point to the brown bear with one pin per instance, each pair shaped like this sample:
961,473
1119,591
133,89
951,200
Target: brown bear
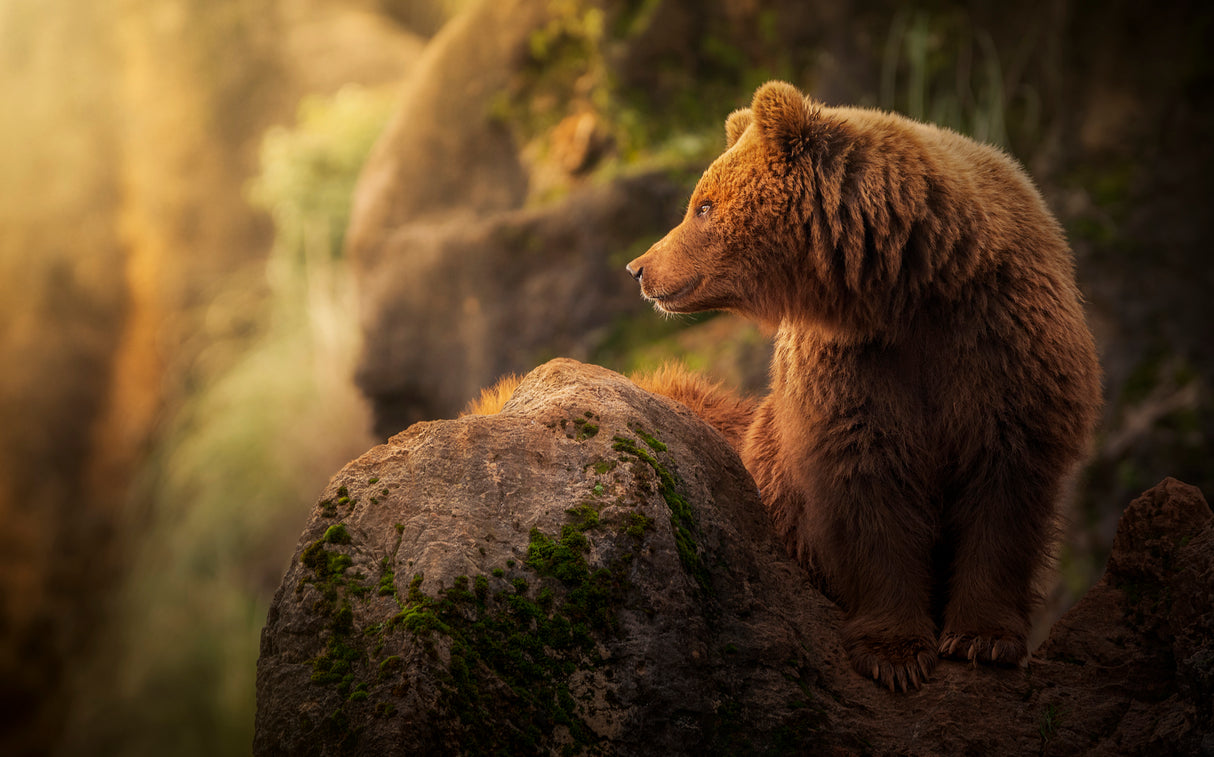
934,380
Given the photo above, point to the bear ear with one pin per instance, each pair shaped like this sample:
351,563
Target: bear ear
736,124
787,119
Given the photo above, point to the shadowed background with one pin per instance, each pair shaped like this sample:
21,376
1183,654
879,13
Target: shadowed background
243,240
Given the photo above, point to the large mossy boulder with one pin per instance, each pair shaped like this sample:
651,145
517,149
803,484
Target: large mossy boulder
590,567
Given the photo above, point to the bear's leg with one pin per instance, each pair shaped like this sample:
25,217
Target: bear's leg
866,539
876,557
889,632
1001,526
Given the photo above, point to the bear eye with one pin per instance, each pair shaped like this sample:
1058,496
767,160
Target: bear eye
703,208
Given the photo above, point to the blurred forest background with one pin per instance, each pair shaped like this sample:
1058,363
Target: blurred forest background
243,240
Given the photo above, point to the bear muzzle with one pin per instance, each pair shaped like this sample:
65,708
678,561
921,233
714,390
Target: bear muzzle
637,267
652,289
658,285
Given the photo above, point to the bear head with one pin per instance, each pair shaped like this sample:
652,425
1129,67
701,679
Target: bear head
806,216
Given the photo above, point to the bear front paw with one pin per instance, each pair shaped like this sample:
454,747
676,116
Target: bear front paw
899,664
997,648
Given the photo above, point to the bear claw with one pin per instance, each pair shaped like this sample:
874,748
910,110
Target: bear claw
997,648
898,664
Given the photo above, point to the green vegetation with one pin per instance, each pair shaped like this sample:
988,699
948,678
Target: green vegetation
579,429
309,169
387,573
326,564
337,534
335,665
637,524
584,429
650,440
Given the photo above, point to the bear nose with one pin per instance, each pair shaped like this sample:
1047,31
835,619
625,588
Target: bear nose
636,273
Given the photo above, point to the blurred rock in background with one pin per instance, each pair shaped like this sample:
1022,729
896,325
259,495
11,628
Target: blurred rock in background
201,317
144,477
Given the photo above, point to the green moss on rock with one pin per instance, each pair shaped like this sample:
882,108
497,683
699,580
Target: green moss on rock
513,644
637,525
326,564
650,440
336,534
682,517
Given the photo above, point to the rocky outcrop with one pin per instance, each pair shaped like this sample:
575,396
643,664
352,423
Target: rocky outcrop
1130,669
591,570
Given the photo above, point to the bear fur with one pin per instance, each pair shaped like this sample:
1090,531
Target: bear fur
934,380
727,412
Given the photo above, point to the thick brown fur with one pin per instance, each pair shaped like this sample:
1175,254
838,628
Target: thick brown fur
724,410
491,399
934,380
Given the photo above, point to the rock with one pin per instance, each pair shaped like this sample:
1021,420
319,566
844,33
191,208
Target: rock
453,305
1130,669
590,566
441,152
592,570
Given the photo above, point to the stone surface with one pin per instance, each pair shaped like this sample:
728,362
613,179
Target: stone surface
592,569
1130,669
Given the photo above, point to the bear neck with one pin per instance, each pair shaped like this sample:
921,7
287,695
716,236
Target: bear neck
900,341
